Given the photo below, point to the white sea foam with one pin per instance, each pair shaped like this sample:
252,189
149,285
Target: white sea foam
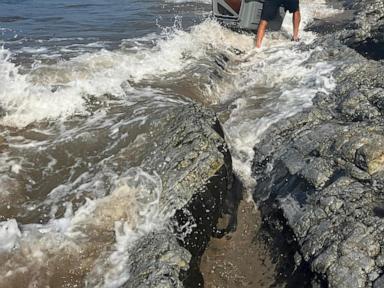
25,102
9,235
252,117
283,84
32,50
28,98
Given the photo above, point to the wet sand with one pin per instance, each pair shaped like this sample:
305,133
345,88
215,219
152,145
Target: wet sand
239,259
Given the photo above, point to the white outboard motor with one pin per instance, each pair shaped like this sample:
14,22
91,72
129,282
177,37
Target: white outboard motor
244,14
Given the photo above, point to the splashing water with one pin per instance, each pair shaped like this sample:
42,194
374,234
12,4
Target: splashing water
45,251
269,85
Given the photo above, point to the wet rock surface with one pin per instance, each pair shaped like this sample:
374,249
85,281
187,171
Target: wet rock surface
366,31
3,144
369,21
360,26
196,172
158,261
320,173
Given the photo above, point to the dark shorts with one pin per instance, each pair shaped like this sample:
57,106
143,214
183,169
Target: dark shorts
271,8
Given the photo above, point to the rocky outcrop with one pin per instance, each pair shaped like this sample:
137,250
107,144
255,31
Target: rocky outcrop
194,165
320,174
365,32
3,144
360,26
368,22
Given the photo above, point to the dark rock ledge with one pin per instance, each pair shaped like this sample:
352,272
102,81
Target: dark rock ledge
366,32
360,26
196,171
320,174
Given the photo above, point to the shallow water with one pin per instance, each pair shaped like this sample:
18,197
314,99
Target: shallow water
84,86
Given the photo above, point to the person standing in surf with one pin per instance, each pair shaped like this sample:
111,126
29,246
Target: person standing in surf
269,12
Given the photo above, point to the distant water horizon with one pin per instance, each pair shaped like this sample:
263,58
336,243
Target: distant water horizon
65,28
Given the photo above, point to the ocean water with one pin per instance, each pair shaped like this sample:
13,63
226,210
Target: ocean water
83,86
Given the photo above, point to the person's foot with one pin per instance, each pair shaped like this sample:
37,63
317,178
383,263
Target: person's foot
251,53
295,39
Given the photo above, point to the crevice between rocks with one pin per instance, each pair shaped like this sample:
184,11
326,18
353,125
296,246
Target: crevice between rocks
220,196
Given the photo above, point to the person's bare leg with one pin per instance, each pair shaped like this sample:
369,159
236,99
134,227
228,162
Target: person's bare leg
296,18
261,32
